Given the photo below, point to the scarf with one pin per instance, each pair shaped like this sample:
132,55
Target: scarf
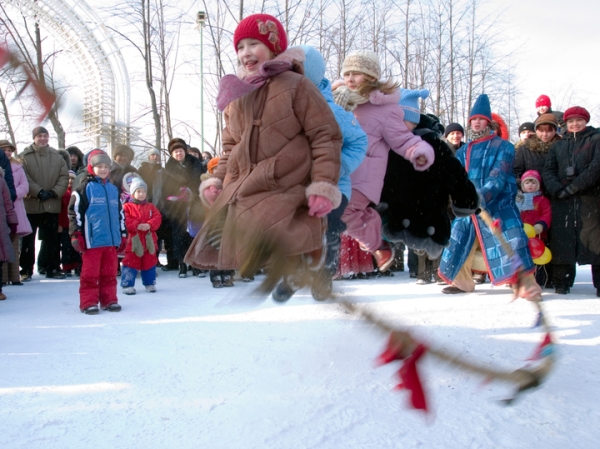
231,87
478,135
347,98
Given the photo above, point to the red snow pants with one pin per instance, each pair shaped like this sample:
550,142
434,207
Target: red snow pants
98,281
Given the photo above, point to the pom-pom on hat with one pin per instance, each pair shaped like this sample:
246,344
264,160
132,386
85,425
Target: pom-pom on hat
454,127
137,183
363,61
409,102
546,119
38,130
264,28
482,108
314,64
543,100
531,174
576,112
526,126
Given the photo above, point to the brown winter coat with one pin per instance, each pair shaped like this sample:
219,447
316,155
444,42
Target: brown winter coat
45,169
280,145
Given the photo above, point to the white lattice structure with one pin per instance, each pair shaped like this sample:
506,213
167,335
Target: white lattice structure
75,26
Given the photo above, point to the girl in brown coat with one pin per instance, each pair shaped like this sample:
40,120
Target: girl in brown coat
280,163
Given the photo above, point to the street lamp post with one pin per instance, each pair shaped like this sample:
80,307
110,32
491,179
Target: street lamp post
200,21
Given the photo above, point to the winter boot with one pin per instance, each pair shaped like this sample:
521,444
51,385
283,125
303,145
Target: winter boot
227,279
384,256
92,310
150,288
182,270
215,279
129,290
114,307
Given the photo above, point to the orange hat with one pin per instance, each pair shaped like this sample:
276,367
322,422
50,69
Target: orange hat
212,164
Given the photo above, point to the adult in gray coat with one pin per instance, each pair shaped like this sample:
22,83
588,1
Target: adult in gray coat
572,178
48,178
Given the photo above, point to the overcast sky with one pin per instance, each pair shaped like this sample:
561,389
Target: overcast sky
559,52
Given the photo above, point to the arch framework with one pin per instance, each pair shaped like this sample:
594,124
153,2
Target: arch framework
94,53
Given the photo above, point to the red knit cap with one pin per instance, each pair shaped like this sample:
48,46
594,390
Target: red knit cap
262,27
543,100
532,174
576,112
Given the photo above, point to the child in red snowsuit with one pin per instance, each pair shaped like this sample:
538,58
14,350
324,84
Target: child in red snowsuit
535,210
97,229
142,220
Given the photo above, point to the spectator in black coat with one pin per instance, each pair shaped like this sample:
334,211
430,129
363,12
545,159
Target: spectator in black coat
122,156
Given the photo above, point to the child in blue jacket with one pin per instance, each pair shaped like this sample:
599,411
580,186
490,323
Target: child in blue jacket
97,229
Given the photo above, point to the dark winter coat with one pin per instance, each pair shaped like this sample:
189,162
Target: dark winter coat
575,219
176,176
531,155
453,147
489,164
417,202
118,172
152,174
8,176
80,164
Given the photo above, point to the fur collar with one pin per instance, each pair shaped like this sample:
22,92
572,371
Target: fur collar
535,145
379,98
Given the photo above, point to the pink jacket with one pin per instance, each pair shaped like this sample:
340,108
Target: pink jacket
22,188
382,119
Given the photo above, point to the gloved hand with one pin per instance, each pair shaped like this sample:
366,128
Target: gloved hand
319,206
211,193
13,229
52,194
78,242
44,195
567,192
122,246
538,229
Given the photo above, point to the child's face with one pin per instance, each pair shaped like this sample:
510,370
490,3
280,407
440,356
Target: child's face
71,181
543,109
530,186
478,124
140,194
102,170
252,53
354,79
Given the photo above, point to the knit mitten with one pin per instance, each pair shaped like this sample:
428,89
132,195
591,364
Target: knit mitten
150,243
136,246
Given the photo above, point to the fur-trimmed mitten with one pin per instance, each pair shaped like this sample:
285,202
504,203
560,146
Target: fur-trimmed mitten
150,243
136,245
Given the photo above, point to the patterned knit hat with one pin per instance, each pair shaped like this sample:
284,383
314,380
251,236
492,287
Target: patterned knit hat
543,100
532,174
363,61
546,119
72,174
576,112
409,102
262,27
482,108
454,127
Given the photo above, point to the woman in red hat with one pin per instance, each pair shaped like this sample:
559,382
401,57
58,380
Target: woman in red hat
572,178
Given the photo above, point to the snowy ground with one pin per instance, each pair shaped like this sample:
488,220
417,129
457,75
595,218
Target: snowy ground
193,367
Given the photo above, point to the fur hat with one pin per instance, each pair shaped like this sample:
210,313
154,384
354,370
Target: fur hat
363,61
546,119
531,174
97,157
543,100
212,164
526,126
576,112
264,28
314,64
482,108
67,158
409,102
123,149
137,183
6,143
177,142
38,130
454,127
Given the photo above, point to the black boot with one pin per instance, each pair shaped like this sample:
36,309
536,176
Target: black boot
182,270
215,278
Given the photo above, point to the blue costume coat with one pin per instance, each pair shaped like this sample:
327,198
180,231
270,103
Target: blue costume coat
489,164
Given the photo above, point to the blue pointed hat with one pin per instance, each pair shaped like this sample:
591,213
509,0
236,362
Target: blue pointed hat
409,102
482,108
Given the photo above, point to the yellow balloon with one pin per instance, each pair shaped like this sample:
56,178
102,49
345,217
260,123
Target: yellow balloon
529,230
544,258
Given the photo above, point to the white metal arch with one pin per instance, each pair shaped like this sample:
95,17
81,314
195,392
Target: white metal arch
95,54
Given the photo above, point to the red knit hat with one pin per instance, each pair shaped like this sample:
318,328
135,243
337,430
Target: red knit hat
543,100
576,112
532,174
262,27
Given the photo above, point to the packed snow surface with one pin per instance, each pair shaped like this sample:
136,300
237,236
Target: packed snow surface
196,367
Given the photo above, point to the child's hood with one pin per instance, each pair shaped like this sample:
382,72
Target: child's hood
379,98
